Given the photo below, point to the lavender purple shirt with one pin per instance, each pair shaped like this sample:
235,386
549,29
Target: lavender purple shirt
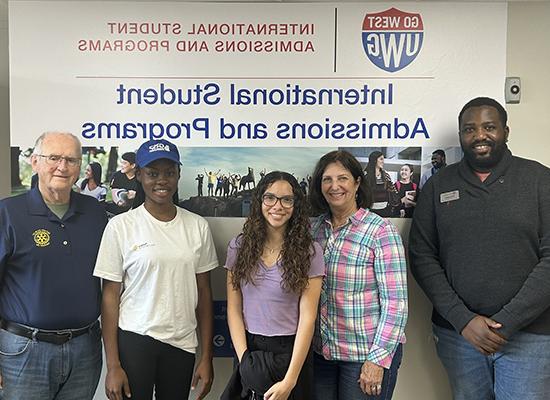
267,309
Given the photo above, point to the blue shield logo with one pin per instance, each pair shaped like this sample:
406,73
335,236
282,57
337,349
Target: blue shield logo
393,38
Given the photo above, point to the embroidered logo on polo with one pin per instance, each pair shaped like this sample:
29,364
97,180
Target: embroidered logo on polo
393,38
41,237
159,147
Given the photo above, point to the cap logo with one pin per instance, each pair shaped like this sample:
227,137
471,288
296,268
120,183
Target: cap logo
158,147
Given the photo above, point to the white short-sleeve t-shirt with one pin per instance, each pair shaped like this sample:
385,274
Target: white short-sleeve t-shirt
157,262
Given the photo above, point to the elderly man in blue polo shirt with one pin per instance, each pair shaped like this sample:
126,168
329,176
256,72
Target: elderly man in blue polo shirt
50,341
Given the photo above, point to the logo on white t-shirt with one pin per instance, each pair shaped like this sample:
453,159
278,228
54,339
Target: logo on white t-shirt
140,246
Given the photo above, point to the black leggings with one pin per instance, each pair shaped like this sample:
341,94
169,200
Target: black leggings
149,364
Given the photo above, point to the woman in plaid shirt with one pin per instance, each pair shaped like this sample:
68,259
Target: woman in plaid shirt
363,305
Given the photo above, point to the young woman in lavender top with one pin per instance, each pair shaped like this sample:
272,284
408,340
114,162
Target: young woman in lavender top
274,278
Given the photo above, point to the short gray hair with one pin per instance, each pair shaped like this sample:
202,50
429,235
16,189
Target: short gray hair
38,144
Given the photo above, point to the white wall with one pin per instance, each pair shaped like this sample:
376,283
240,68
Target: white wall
421,375
4,103
529,58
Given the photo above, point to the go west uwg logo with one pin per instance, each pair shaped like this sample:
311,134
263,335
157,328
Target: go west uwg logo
392,39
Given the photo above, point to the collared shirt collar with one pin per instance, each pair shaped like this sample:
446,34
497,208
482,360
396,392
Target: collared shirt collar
356,218
37,206
496,173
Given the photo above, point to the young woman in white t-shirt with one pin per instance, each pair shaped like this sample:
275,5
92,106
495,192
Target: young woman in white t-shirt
155,261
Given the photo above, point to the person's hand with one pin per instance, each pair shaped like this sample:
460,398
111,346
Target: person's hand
481,332
370,379
279,391
408,201
204,373
116,383
131,194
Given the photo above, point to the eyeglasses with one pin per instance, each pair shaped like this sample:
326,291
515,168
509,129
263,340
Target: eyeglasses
54,159
270,200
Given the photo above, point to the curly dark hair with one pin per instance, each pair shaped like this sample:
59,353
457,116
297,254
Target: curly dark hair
349,162
297,247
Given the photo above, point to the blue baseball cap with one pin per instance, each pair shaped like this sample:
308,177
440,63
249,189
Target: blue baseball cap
156,149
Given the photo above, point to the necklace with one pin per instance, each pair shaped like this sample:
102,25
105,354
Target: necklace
272,250
340,224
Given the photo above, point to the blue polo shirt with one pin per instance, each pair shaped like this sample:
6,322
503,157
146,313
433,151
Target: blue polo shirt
46,263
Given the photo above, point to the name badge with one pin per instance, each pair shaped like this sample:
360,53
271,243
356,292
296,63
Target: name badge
449,196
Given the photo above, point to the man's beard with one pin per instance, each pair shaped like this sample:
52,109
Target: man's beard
487,162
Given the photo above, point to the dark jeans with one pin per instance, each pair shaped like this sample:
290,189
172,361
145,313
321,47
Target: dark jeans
149,364
337,380
285,344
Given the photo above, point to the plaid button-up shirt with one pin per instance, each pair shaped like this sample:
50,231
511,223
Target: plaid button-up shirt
363,305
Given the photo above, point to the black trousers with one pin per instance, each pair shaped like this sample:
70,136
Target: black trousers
285,344
151,364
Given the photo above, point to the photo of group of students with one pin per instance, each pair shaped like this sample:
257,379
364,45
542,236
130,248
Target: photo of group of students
395,181
395,190
316,306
